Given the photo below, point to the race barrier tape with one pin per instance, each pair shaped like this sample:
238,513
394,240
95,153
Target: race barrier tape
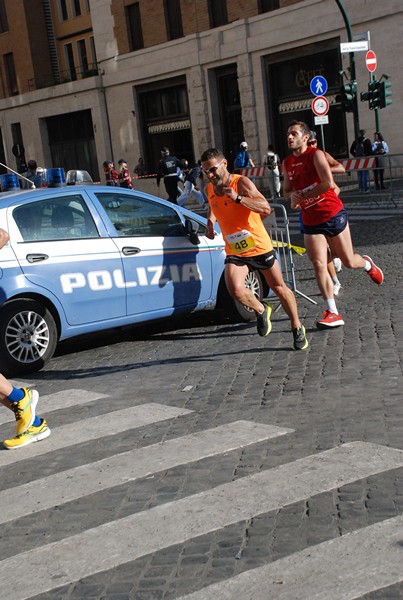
354,164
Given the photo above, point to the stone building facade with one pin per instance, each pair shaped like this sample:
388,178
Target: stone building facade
188,74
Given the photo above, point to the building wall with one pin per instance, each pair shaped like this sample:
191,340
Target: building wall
26,39
245,42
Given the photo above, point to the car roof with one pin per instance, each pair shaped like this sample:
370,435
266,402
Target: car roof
17,196
14,197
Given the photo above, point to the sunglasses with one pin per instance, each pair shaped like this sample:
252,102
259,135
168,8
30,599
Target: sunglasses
312,143
212,170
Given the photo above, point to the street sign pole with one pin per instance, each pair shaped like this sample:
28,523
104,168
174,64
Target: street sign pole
371,63
352,67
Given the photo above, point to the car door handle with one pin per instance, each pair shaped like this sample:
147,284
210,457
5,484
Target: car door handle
130,250
33,258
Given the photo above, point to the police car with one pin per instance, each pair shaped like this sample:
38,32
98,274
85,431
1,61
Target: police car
87,258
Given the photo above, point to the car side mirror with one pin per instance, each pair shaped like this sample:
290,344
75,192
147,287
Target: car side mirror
191,228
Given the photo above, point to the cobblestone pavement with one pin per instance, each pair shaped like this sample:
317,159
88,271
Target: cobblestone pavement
156,525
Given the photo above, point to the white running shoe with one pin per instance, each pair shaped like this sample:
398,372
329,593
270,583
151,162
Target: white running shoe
337,264
336,288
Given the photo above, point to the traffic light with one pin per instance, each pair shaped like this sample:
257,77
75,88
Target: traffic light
378,95
385,94
375,94
347,95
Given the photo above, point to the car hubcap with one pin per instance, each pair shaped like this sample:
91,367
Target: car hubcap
27,337
252,283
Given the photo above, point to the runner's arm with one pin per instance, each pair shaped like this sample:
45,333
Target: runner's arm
4,237
251,197
289,193
325,175
335,165
211,220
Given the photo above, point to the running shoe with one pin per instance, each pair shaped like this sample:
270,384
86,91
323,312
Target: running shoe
33,434
300,341
337,264
24,410
375,272
263,320
336,288
329,319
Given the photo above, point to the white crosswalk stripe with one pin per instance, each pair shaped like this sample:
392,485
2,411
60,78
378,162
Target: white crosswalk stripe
341,569
95,428
56,401
128,466
122,540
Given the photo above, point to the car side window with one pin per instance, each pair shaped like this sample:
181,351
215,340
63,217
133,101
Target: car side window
63,218
135,216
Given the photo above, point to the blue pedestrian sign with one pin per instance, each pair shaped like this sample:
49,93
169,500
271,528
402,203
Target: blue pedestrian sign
318,85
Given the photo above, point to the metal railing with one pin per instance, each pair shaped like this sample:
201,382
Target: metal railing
64,77
387,169
389,165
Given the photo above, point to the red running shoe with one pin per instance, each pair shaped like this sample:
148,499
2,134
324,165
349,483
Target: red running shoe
375,272
329,320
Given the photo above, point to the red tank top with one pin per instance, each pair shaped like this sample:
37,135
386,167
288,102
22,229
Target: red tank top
303,176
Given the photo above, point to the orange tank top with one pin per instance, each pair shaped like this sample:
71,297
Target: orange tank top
243,230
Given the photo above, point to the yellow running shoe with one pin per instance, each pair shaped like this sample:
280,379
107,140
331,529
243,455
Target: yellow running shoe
33,434
263,320
24,410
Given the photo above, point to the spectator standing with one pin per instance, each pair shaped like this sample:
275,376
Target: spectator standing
272,162
140,169
379,148
22,401
168,170
125,180
32,175
191,185
111,176
243,158
360,148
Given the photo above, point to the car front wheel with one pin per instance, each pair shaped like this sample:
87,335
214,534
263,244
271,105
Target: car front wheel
28,337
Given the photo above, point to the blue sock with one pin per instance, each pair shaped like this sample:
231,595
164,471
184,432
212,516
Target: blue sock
37,421
16,395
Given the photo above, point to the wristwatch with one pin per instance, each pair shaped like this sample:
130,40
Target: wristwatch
238,199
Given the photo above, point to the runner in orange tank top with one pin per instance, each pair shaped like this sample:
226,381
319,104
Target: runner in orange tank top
238,207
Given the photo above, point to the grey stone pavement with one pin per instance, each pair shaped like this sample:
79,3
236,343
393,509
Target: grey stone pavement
347,387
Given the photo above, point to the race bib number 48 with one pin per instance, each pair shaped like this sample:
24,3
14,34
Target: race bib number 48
241,241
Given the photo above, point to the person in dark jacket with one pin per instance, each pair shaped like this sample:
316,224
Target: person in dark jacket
360,148
168,170
191,185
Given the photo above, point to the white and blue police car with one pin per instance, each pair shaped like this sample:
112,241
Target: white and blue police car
87,258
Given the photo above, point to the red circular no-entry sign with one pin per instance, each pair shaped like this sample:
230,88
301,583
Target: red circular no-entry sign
320,106
370,61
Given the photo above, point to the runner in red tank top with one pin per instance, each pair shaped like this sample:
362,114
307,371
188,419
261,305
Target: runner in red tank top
238,207
309,184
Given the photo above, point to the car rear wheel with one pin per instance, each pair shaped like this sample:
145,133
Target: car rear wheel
28,337
235,310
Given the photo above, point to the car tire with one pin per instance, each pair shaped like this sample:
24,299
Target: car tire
235,310
28,337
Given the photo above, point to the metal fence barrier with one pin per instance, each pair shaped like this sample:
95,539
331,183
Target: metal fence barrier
277,225
390,164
